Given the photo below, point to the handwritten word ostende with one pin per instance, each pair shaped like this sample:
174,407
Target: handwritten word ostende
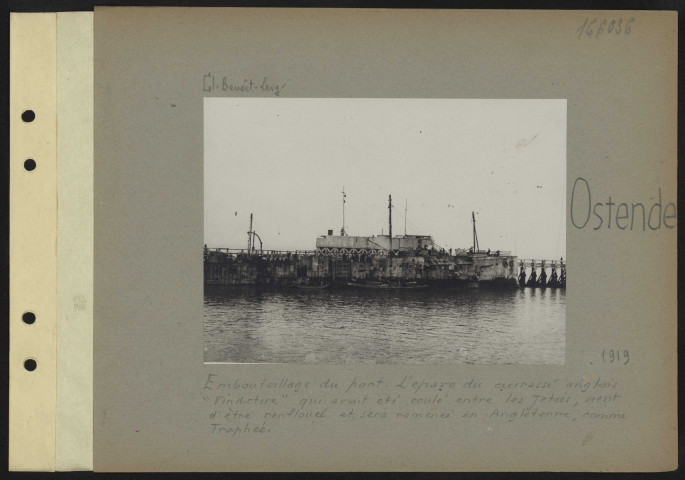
626,215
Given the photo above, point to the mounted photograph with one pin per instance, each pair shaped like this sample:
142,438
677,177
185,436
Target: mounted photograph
384,231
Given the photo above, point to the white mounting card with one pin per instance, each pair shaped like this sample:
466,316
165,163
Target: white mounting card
51,241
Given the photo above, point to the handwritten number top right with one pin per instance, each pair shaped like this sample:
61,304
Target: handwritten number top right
597,27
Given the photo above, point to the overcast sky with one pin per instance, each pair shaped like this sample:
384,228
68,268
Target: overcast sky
286,160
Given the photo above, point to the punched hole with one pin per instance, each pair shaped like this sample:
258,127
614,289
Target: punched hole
29,318
30,164
28,116
30,364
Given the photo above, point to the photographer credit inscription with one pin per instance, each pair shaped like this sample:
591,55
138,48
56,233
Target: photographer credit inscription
212,82
237,407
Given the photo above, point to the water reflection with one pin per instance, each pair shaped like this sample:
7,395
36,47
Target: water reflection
519,326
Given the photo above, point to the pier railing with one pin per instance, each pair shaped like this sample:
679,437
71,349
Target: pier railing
528,262
327,251
245,251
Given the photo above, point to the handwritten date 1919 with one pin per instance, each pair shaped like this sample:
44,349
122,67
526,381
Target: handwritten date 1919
616,356
598,27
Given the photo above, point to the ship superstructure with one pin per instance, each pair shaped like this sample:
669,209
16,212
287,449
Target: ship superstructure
374,261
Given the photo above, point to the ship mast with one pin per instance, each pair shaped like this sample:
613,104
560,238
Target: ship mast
344,195
390,220
475,235
390,234
249,237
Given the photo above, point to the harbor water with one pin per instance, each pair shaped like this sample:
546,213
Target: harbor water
451,326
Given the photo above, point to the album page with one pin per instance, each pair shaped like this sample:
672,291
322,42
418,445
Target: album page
384,240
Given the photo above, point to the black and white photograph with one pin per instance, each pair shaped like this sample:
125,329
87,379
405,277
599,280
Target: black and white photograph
384,231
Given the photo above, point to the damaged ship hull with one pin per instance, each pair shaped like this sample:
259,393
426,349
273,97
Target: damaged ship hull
365,270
